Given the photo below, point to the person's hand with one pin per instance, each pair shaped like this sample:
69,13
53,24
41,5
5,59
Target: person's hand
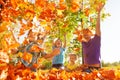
100,7
80,38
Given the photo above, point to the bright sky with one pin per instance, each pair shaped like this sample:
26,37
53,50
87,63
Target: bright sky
110,46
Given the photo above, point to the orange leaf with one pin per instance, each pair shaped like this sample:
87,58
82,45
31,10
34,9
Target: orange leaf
35,48
87,12
43,22
27,56
76,49
3,28
61,1
108,74
65,25
75,7
20,54
1,2
25,41
29,25
47,28
51,6
25,72
29,11
52,77
14,4
35,65
62,6
14,45
77,32
41,3
40,41
21,32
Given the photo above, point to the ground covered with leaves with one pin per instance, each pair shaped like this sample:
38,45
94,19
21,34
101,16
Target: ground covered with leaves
19,72
10,71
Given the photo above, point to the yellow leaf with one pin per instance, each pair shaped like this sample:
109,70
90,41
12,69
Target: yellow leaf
14,45
43,22
20,54
48,28
59,12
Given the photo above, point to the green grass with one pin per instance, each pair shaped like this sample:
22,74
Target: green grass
112,67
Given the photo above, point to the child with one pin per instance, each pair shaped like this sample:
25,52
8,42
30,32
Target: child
72,62
58,60
31,50
57,53
91,45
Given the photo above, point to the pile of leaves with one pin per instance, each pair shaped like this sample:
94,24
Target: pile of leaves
19,72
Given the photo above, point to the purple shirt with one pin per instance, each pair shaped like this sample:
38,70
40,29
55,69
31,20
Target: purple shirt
91,50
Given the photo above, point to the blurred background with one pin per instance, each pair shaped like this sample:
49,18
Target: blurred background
110,48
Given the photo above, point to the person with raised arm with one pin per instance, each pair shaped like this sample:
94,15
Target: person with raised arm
91,44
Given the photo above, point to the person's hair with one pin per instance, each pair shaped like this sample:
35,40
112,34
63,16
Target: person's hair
38,36
85,31
32,34
56,39
73,55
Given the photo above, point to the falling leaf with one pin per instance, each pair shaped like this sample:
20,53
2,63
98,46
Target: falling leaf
27,56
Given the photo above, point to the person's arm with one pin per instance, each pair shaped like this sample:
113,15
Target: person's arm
98,31
55,52
15,39
64,41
